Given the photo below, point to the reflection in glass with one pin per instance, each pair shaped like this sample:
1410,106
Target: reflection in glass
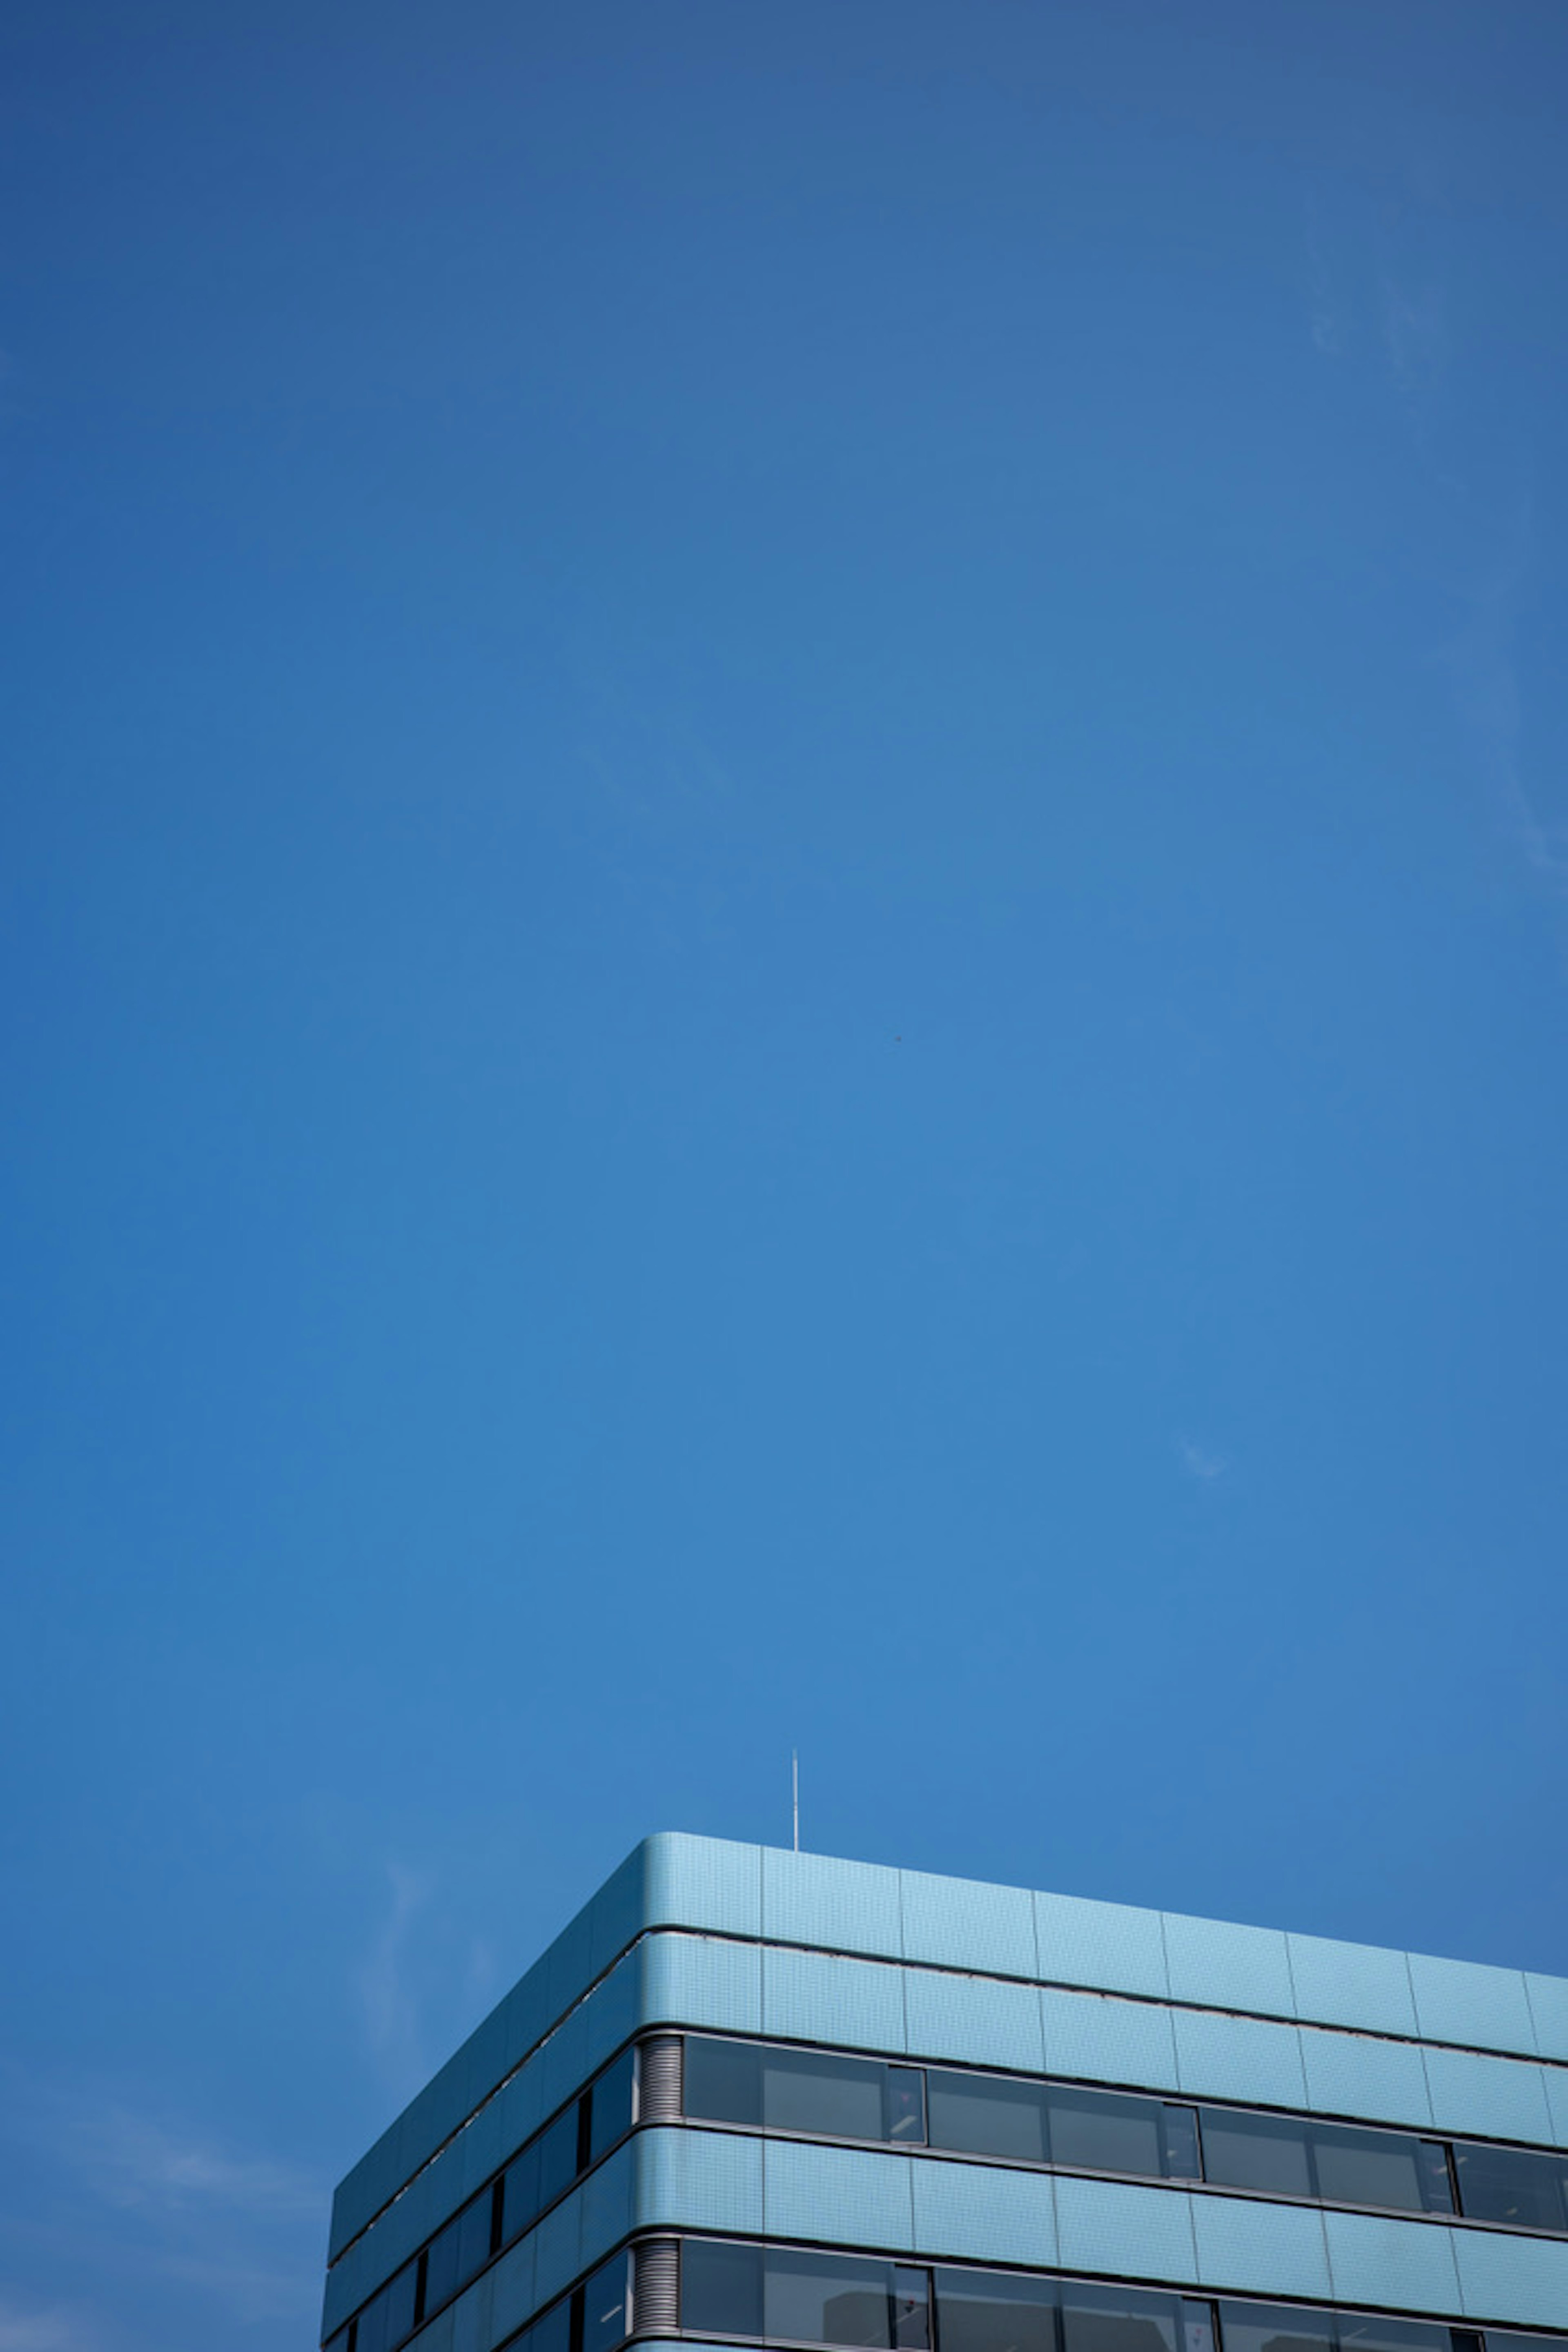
828,2299
721,2288
610,2114
1101,2134
1364,2332
807,2091
1267,2152
911,2309
723,2081
519,2193
1183,2161
1436,2188
904,2103
1368,2167
1271,2328
552,2331
986,2311
978,2116
558,2158
1118,2319
1505,2184
604,2305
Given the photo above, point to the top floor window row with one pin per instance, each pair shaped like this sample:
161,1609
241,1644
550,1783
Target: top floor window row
1017,2120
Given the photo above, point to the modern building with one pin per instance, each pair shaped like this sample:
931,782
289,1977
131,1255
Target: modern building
751,2096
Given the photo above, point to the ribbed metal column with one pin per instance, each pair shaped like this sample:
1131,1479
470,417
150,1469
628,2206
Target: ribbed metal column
655,2287
658,2078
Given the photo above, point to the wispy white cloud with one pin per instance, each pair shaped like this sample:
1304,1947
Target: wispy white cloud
133,2161
148,2196
52,2328
388,2005
1484,531
1201,1462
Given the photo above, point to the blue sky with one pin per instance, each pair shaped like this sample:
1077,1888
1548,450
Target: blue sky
783,881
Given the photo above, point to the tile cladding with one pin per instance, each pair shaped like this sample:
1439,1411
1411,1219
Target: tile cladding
744,1940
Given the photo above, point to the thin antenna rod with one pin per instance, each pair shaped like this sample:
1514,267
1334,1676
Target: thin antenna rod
794,1791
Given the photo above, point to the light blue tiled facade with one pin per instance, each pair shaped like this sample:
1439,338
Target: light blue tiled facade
694,1934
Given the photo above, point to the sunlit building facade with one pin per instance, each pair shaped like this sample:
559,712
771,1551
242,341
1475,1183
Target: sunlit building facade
752,2097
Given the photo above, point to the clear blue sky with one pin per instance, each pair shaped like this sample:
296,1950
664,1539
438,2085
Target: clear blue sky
784,879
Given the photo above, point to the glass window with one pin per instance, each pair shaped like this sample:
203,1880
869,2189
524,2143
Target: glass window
1274,2328
1437,2186
1119,2319
1368,2167
1508,2184
904,2105
721,2288
519,2193
912,2308
1361,2332
441,2268
723,2081
807,2091
370,2328
1198,2326
604,2305
979,2116
1183,2161
388,2318
1105,2133
557,2158
828,2299
986,2311
1267,2152
610,2105
400,2297
552,2332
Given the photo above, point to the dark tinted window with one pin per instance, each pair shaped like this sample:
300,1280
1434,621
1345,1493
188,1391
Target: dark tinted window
442,2276
553,2333
1256,2152
911,2309
828,2299
982,2311
1105,2134
1368,2167
806,2091
904,2103
1119,2319
1181,2129
519,2193
1504,2184
1438,2189
370,2328
558,2158
604,2305
1361,2332
978,2116
1269,2328
723,2081
388,2318
611,2108
721,2288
